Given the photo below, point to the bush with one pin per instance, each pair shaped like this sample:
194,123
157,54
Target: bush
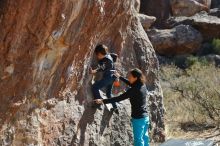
194,60
193,94
191,61
216,45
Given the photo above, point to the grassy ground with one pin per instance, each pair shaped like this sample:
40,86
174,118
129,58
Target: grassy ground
192,101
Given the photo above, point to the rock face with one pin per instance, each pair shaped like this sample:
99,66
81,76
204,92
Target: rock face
182,39
187,7
46,48
209,26
158,8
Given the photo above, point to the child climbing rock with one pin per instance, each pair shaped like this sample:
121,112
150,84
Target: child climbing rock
137,94
105,65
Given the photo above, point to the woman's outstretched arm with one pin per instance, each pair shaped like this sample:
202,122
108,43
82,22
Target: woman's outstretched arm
121,97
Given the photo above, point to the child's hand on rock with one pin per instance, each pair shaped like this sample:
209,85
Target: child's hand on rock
92,71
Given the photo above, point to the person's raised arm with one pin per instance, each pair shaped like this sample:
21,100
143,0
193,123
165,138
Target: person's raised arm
122,78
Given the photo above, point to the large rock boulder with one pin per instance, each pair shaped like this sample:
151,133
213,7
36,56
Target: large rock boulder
158,8
182,39
46,48
188,7
208,25
146,21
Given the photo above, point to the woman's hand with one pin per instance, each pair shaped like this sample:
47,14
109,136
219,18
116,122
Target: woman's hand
117,74
98,101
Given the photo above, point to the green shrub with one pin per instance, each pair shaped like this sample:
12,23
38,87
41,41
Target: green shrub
191,60
216,45
194,60
203,61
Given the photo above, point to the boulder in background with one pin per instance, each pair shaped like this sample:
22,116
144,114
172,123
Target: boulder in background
187,7
182,39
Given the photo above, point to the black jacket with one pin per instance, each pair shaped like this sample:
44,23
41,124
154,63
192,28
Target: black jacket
138,99
106,65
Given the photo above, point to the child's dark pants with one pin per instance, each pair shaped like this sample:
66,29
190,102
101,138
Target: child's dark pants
106,82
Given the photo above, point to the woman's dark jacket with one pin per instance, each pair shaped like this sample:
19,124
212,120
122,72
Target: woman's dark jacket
137,95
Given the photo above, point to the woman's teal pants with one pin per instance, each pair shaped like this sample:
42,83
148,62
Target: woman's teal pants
140,131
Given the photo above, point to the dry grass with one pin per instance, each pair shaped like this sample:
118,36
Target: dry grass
192,100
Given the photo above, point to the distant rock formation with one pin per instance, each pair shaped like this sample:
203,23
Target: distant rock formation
188,7
46,48
182,39
208,25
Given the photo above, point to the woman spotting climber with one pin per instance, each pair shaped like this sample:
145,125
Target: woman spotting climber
137,94
106,65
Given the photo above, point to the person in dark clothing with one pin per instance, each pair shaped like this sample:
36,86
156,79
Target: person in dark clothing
137,94
105,65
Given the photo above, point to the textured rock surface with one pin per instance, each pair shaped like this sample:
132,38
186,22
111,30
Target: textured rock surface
177,41
45,50
215,12
209,26
161,9
188,7
146,21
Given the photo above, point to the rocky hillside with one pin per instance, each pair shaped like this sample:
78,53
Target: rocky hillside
46,48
